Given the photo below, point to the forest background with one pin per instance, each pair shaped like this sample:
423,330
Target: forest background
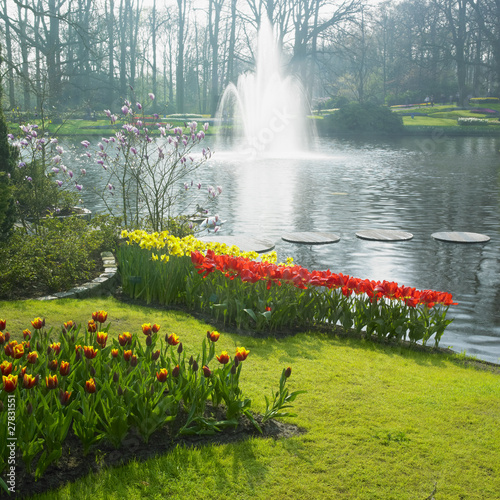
87,55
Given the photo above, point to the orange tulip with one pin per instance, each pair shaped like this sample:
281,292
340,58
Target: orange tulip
32,357
102,338
6,368
51,381
89,351
64,368
162,375
9,383
173,339
90,386
223,358
29,381
38,323
241,353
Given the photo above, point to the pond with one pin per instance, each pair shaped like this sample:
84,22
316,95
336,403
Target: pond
419,185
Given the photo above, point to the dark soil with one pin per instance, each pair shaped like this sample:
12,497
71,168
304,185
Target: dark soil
74,464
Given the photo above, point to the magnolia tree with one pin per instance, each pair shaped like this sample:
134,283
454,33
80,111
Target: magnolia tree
149,170
42,183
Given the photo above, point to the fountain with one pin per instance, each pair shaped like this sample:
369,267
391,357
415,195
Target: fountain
266,109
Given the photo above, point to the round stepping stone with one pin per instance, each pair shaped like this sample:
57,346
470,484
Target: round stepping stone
311,238
384,235
461,237
244,243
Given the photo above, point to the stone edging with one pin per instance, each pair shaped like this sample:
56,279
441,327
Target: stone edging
101,285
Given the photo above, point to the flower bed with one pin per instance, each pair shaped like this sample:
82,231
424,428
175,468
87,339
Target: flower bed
101,390
237,289
472,122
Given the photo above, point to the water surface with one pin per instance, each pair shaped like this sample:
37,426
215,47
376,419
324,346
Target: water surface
419,185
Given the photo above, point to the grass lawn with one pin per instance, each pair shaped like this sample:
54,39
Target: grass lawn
381,421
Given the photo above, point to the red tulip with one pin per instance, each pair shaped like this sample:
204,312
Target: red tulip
91,326
241,353
213,336
206,371
69,325
56,347
32,357
3,324
162,375
127,355
90,386
18,351
38,323
9,383
100,316
64,368
64,397
147,329
26,334
124,338
89,352
52,364
51,381
6,367
173,339
102,338
114,353
156,327
29,381
223,358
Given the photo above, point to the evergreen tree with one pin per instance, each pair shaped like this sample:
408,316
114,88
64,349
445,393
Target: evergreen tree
7,160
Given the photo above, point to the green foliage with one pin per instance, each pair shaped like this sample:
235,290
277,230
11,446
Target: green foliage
41,196
7,160
60,255
104,391
363,118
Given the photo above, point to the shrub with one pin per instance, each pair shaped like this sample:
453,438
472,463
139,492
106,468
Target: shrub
356,117
61,255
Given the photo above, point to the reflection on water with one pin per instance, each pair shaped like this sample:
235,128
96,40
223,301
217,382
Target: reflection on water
420,185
